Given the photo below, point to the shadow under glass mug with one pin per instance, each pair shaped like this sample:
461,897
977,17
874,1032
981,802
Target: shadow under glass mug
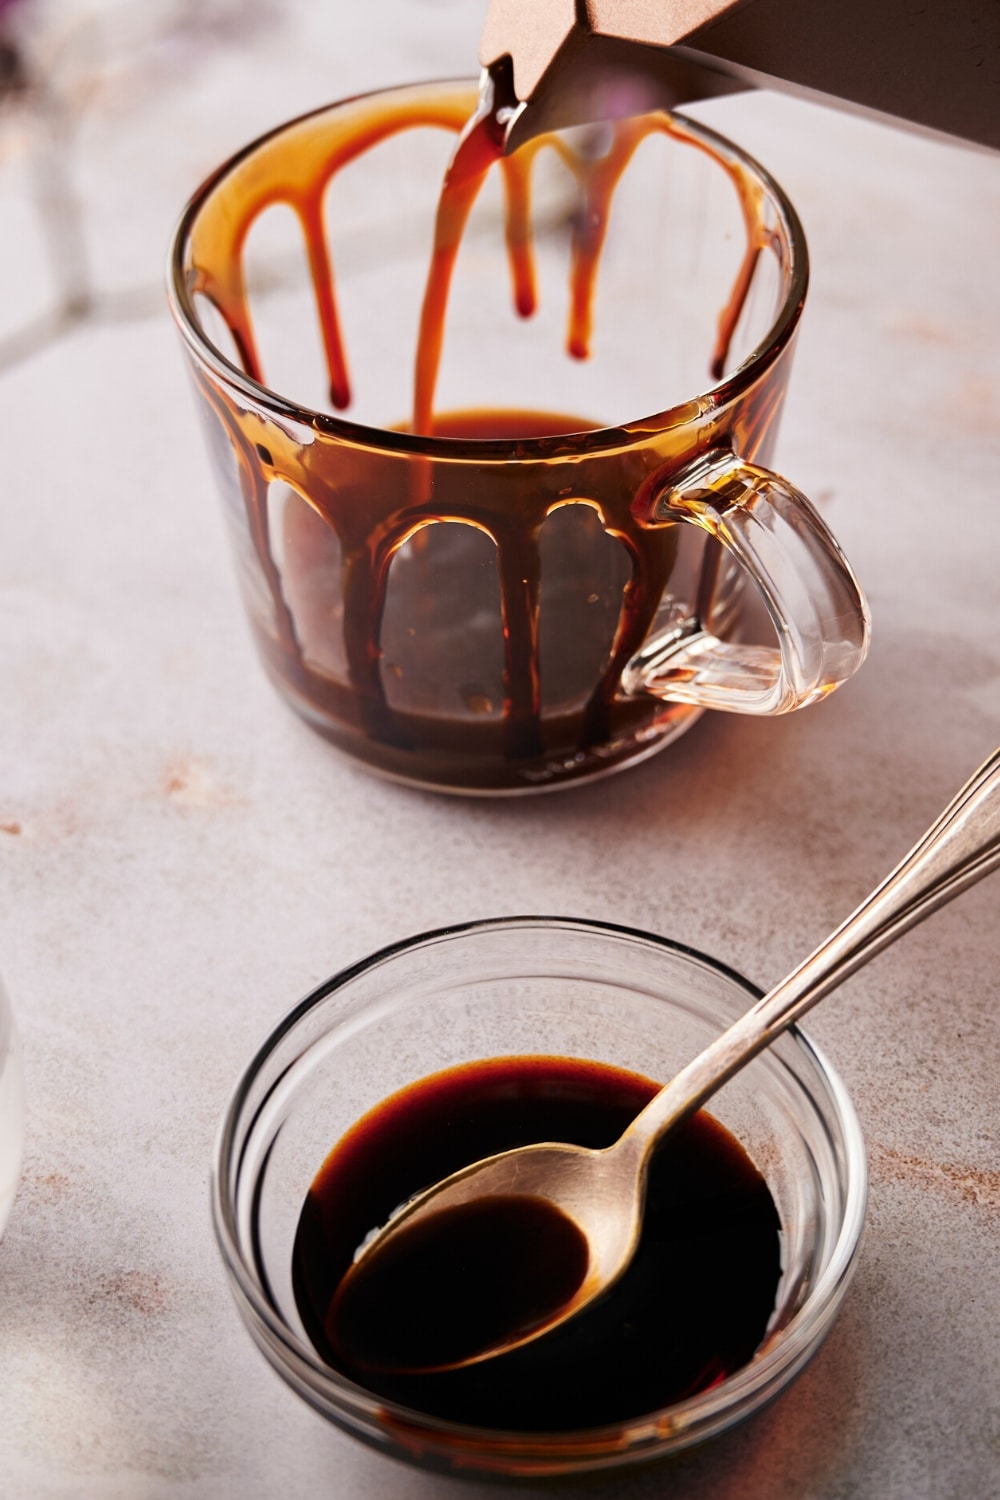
542,587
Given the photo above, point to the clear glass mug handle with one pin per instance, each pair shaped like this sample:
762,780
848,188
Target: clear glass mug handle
808,588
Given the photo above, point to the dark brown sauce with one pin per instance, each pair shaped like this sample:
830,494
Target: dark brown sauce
471,1278
692,1307
364,505
573,642
507,425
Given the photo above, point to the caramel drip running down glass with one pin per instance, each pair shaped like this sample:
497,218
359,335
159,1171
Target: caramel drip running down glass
486,573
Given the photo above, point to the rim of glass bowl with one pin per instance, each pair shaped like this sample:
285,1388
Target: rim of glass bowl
635,1440
793,256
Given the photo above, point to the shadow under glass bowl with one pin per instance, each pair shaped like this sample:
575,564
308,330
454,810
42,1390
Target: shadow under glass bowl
511,987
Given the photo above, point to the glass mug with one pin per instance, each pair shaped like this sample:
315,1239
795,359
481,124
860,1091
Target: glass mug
543,587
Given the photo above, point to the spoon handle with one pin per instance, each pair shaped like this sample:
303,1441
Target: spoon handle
958,849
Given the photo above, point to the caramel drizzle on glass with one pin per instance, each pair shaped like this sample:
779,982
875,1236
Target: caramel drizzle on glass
298,176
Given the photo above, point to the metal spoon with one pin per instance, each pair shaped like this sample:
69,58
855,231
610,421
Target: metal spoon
603,1191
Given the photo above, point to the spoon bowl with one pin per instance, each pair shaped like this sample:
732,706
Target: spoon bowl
580,1188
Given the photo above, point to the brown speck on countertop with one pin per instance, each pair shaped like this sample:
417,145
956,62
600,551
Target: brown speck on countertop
11,826
976,1185
925,330
136,1291
46,1187
191,782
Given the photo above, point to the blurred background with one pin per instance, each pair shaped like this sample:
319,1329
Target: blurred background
112,111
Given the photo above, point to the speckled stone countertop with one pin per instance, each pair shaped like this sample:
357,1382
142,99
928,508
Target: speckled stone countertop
181,860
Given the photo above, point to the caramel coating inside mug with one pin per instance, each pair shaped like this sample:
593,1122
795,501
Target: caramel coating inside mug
459,613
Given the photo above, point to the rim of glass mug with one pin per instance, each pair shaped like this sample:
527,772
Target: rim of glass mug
819,1256
787,241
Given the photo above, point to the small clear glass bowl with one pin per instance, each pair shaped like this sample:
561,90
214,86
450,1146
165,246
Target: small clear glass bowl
516,986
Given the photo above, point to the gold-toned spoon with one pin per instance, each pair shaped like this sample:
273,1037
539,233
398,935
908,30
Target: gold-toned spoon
601,1192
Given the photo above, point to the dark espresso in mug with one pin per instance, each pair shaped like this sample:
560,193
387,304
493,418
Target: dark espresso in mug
549,603
461,617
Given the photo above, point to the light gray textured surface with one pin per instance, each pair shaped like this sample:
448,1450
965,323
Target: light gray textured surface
180,859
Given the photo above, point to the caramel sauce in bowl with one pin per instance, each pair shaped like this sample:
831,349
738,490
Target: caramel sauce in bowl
474,1032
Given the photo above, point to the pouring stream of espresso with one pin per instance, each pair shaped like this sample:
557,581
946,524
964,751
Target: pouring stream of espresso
480,146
